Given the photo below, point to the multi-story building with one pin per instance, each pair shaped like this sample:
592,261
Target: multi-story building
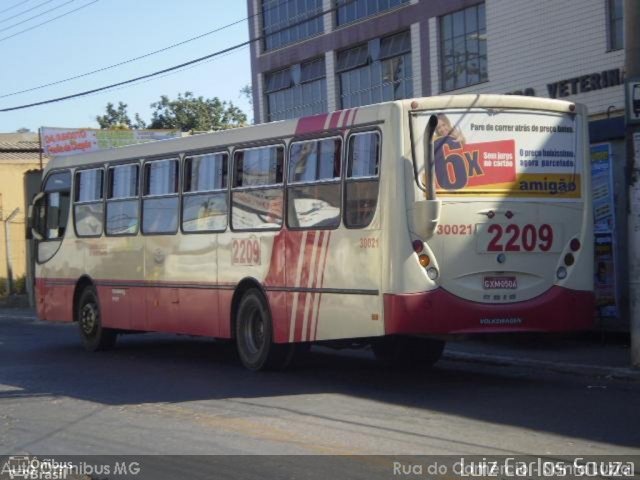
316,56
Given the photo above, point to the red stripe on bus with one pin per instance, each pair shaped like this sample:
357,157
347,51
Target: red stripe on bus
351,117
314,295
305,297
335,118
311,124
324,266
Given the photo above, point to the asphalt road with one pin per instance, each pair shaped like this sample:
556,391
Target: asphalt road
160,394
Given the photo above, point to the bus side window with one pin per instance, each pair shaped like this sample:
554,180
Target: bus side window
55,213
363,169
314,194
204,202
160,201
88,208
122,200
257,193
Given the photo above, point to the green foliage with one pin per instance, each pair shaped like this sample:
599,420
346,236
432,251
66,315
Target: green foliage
20,285
190,113
187,113
118,118
247,92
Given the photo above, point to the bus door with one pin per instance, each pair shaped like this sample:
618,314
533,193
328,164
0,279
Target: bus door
122,271
181,260
333,242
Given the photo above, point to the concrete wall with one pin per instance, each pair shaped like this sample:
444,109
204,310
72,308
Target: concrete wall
12,196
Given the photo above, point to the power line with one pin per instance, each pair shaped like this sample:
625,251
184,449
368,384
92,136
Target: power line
173,72
124,62
142,77
48,21
36,16
57,82
14,6
25,11
176,67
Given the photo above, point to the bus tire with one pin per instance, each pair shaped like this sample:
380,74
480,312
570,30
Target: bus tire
408,352
94,336
254,335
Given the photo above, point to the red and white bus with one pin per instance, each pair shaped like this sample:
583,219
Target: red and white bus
394,225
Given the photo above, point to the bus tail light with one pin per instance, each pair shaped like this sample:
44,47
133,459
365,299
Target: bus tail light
575,245
424,260
569,259
418,246
432,273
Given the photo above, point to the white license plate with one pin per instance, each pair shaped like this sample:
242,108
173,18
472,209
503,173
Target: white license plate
512,237
500,283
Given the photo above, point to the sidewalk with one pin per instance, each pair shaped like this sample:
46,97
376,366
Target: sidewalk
592,354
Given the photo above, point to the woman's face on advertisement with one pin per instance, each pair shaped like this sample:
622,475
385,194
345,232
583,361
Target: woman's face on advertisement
443,128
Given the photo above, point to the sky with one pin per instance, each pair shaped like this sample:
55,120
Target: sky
108,32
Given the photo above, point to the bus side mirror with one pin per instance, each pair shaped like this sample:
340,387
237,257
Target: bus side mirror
35,216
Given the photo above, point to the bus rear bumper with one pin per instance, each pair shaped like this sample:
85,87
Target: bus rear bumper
440,312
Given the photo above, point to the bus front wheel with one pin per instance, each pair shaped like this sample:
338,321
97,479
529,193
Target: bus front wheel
94,336
254,335
408,352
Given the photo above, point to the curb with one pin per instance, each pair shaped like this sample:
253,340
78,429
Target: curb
619,373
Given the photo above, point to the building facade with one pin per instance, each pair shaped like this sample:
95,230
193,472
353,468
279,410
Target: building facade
315,56
19,154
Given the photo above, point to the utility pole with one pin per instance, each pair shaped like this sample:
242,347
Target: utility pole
632,71
8,250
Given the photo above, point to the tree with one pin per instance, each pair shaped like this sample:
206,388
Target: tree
118,118
190,113
186,113
23,130
247,92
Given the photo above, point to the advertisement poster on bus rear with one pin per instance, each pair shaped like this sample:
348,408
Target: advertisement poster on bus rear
507,154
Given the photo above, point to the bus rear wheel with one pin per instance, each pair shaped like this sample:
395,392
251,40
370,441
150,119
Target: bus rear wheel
94,336
408,352
254,335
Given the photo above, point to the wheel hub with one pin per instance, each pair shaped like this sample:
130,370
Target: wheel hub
89,318
254,332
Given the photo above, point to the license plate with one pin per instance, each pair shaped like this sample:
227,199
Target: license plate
500,283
